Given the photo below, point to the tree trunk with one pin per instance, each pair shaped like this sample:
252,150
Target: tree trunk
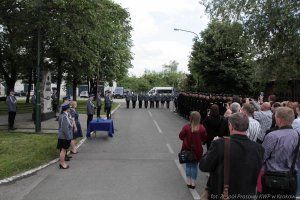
74,88
10,84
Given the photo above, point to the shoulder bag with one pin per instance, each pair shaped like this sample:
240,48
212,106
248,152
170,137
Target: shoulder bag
226,167
187,156
286,181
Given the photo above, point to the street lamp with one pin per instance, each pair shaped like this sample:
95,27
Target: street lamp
178,29
37,85
197,38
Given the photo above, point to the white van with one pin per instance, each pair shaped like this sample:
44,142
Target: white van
161,90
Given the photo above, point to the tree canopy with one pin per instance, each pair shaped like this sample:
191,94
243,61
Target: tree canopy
220,59
80,40
273,28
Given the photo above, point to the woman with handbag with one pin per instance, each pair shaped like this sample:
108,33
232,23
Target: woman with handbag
193,135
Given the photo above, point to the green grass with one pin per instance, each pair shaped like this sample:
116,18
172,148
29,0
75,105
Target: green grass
20,152
24,107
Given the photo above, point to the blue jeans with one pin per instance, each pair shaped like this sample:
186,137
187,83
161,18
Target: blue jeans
191,170
298,181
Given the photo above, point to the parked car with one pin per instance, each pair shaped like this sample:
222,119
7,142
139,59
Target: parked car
84,94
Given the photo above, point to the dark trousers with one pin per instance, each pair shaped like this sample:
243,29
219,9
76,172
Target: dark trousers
168,104
140,104
108,109
98,111
89,118
146,104
127,104
157,104
11,119
133,104
54,108
151,104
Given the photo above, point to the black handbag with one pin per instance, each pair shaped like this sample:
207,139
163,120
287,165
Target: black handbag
187,156
286,181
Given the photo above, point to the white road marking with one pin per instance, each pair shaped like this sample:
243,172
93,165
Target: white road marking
170,148
159,130
194,192
150,113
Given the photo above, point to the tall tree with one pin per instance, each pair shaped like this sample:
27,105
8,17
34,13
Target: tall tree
272,26
220,59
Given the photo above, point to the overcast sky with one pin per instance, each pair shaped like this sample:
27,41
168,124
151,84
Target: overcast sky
154,39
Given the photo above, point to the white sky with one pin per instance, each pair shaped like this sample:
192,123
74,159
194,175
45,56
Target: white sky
154,39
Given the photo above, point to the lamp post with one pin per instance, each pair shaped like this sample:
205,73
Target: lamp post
183,30
197,38
37,86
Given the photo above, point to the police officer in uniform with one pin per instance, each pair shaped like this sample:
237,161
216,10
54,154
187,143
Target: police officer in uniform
134,99
128,99
140,99
146,99
11,102
168,99
157,99
151,99
108,104
162,100
90,109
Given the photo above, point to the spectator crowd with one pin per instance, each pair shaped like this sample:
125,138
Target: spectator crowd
262,155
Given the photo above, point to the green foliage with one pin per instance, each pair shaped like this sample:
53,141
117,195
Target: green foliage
169,77
76,36
272,26
220,59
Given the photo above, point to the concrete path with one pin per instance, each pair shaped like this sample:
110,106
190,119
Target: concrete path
138,163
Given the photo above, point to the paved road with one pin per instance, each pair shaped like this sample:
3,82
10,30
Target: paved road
139,163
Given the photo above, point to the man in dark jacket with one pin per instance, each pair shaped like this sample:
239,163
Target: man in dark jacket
246,159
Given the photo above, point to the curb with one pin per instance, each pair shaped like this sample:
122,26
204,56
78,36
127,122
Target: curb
32,171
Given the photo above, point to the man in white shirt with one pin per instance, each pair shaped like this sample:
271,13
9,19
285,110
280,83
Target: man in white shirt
254,128
264,117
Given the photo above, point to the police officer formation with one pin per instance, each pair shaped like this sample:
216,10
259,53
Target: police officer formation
153,100
187,102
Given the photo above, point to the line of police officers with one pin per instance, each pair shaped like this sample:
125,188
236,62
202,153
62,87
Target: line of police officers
201,102
148,98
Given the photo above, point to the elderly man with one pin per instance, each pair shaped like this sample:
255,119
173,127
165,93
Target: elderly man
245,161
264,116
279,149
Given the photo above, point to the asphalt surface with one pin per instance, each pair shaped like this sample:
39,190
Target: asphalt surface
138,163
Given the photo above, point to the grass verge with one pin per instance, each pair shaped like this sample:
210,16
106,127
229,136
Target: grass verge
23,107
20,152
